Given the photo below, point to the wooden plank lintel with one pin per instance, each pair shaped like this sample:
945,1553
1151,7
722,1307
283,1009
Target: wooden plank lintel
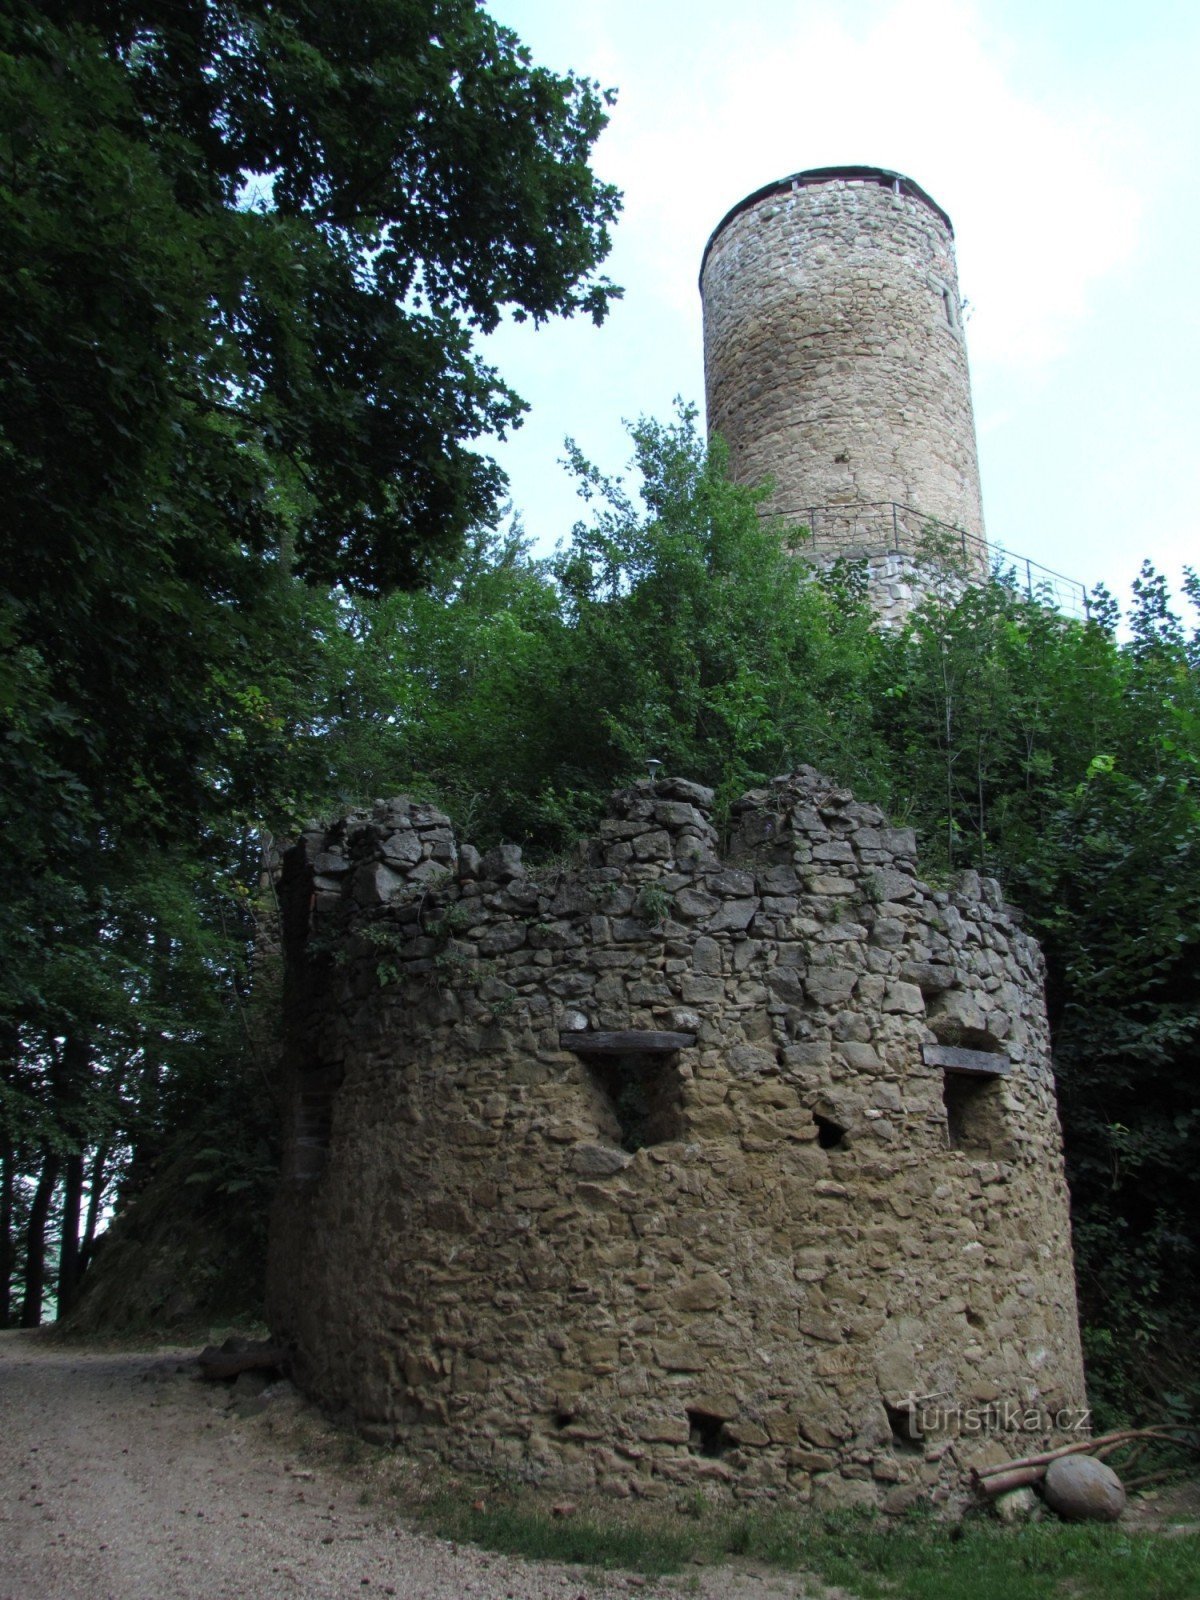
627,1041
976,1063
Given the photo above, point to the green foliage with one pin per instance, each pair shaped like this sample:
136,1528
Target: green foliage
675,625
1065,760
918,1559
247,248
653,905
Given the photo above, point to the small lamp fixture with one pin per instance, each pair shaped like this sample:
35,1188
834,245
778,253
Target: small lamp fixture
652,766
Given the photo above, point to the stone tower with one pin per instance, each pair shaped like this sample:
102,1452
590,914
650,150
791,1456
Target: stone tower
677,1167
835,362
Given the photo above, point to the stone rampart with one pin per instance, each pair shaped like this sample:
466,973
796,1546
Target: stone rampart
673,1167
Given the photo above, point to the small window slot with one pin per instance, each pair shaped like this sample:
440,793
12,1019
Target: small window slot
830,1134
975,1115
708,1435
644,1094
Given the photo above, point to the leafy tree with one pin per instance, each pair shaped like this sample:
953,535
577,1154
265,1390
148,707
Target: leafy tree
699,639
247,246
1066,760
673,623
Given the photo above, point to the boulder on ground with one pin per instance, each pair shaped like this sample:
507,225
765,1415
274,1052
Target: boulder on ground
1082,1489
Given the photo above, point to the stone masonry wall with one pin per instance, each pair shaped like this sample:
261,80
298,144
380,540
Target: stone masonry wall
897,583
730,1255
835,362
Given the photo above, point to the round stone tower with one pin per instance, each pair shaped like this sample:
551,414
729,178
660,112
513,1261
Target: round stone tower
835,363
673,1168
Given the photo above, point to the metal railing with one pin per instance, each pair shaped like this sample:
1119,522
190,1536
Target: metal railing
866,528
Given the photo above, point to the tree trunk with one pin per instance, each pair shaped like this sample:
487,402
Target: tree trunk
35,1240
97,1178
70,1080
146,1139
9,1048
68,1250
8,1252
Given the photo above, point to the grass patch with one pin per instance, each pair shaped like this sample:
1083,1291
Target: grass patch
872,1559
936,1561
868,1557
588,1538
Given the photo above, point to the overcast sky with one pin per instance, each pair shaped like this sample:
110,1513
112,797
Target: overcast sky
1063,138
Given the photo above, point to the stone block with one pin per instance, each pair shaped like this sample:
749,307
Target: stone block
886,884
503,939
702,990
469,861
900,841
678,814
830,986
733,916
691,904
503,863
787,985
723,1404
695,794
665,1430
679,1356
655,846
598,1160
750,1061
747,1433
376,885
707,1291
706,957
429,874
833,1492
730,882
836,850
904,998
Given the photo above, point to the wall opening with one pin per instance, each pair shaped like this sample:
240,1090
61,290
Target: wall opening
830,1134
708,1435
975,1115
906,1434
643,1092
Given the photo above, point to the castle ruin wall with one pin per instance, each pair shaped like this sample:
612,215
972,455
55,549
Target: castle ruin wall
672,1167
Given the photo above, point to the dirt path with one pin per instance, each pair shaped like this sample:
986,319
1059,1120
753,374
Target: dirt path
122,1480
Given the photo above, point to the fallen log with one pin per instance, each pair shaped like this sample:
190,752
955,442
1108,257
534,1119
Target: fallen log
1001,1482
997,1480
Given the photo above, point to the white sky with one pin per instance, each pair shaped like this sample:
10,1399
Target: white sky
1062,136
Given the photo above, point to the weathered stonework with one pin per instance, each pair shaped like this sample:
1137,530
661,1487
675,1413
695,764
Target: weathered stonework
825,1176
897,583
835,361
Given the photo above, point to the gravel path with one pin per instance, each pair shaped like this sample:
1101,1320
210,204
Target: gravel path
120,1480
